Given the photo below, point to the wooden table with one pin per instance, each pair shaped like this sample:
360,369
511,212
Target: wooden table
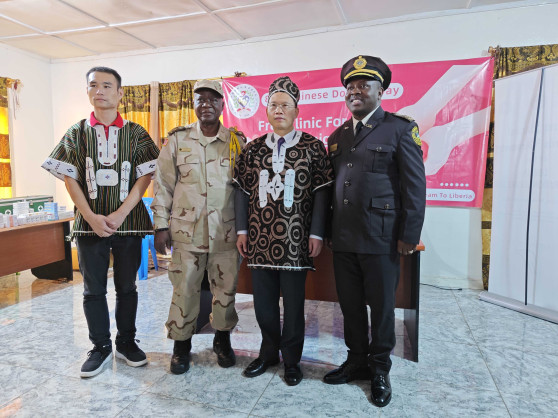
40,247
320,285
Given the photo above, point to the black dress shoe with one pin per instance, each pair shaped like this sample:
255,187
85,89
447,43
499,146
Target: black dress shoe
222,347
381,390
180,360
348,372
293,374
258,367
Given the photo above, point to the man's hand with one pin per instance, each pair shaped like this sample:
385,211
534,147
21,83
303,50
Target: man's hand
162,241
115,219
101,225
405,249
242,244
315,246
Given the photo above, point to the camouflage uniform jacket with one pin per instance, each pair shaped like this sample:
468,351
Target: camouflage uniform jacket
194,191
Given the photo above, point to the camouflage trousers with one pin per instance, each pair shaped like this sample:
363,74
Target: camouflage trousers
186,274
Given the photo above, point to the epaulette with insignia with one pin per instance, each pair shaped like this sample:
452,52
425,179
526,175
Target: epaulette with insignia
407,118
177,129
235,131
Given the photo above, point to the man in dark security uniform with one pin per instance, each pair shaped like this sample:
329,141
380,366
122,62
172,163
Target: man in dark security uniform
378,211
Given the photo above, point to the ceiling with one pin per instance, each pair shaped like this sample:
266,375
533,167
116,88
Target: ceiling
59,29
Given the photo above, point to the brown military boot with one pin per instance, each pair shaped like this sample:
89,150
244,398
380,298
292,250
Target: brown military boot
180,360
222,347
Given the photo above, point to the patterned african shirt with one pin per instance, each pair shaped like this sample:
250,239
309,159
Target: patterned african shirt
280,182
106,169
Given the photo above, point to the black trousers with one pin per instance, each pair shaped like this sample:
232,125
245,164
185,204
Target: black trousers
267,286
94,257
368,279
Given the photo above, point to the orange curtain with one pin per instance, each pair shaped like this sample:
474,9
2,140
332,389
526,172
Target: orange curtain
6,190
176,105
507,61
135,105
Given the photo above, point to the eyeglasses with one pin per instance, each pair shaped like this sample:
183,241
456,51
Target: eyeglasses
283,106
361,87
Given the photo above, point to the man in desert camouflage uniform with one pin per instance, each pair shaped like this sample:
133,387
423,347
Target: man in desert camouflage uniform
195,198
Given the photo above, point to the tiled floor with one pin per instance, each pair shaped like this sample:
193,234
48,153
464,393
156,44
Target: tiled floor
476,360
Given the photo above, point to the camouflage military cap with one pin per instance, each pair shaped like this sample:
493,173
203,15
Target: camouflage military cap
209,84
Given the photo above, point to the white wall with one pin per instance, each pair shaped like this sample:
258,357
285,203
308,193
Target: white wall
452,236
31,140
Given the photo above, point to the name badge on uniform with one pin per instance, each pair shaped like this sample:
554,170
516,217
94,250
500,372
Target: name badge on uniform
185,149
333,148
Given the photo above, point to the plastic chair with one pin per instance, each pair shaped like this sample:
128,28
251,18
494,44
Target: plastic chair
147,244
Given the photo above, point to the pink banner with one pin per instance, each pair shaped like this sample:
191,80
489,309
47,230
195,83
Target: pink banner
450,100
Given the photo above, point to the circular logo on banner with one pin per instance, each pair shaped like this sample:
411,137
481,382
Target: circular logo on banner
244,101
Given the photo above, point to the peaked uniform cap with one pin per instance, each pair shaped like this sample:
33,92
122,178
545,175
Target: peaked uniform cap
368,67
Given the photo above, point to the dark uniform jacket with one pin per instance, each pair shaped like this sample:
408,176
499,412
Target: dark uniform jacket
380,187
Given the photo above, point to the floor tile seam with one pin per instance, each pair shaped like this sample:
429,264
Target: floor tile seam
34,369
37,369
10,401
484,346
116,385
311,311
483,356
447,341
92,379
30,389
131,402
438,309
513,315
263,391
54,321
544,396
167,395
7,307
476,343
481,321
453,301
466,299
398,377
552,326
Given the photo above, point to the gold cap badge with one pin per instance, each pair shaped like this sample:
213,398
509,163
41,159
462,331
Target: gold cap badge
360,63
